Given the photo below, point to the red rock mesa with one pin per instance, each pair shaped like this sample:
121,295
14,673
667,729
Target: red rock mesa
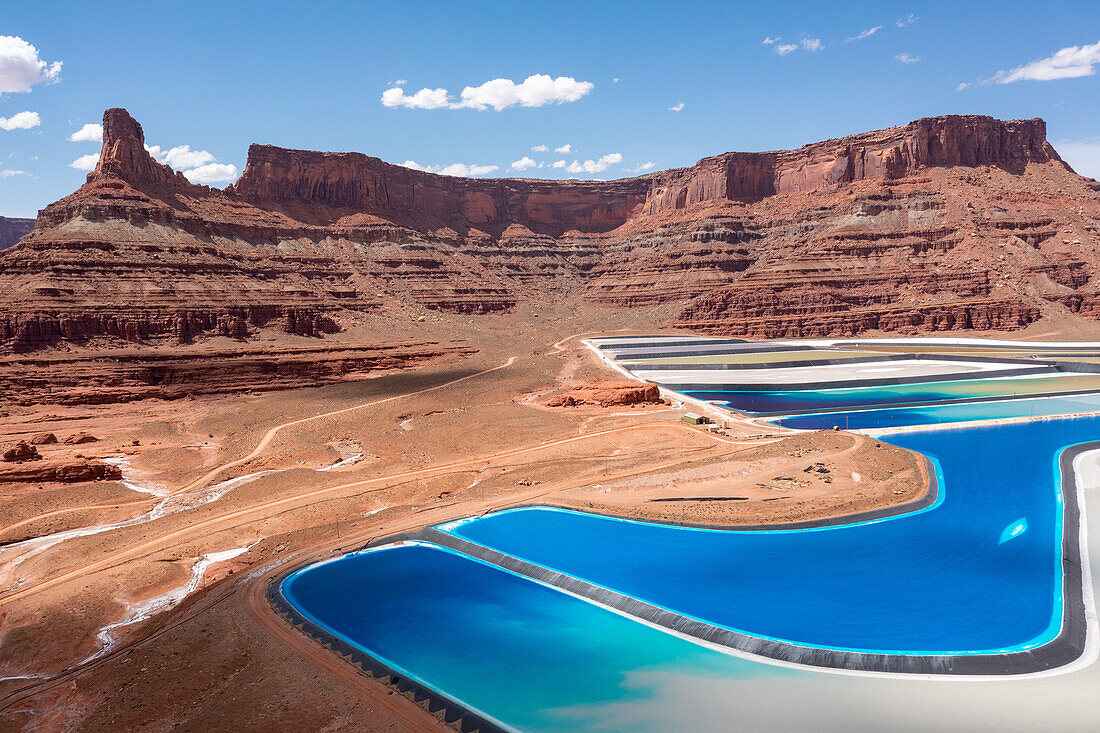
956,222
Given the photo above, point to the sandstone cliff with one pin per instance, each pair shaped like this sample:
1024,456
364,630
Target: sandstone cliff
955,222
12,230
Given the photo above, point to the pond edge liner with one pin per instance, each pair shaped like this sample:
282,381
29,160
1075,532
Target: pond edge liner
1068,646
685,341
889,406
419,694
852,383
717,349
633,366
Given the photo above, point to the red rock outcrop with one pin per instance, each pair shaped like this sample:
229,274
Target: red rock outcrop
61,471
12,230
80,439
955,222
125,158
21,451
608,394
126,375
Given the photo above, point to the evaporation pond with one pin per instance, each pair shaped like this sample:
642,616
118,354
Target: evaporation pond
526,655
933,414
940,580
792,400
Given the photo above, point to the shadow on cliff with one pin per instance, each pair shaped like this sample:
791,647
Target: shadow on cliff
405,382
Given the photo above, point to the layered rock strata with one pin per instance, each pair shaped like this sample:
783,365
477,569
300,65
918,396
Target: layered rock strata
114,376
61,471
608,394
12,230
947,223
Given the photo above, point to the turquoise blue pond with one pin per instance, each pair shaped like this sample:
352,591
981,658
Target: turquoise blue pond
528,656
794,400
942,580
942,414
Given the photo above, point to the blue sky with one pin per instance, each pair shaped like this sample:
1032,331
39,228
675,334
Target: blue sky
217,76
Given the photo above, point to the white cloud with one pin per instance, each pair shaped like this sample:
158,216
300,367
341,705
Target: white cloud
20,67
85,162
424,99
523,164
461,169
10,173
90,133
905,20
558,164
399,82
962,85
212,173
812,44
615,80
564,149
1071,62
780,48
539,149
1083,155
907,58
590,166
642,167
20,121
454,169
534,91
676,107
864,34
181,157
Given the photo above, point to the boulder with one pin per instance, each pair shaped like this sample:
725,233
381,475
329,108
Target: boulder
81,438
21,451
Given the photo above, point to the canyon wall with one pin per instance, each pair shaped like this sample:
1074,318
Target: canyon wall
947,223
314,186
12,230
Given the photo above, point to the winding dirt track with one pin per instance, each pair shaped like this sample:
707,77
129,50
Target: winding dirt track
259,449
72,509
160,541
270,434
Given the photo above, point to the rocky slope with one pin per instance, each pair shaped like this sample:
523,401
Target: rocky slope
12,230
105,376
607,394
958,222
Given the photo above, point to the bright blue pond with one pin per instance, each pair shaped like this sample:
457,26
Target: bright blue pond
524,654
978,572
960,412
792,400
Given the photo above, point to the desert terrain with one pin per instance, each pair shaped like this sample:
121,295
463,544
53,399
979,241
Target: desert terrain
217,385
460,436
